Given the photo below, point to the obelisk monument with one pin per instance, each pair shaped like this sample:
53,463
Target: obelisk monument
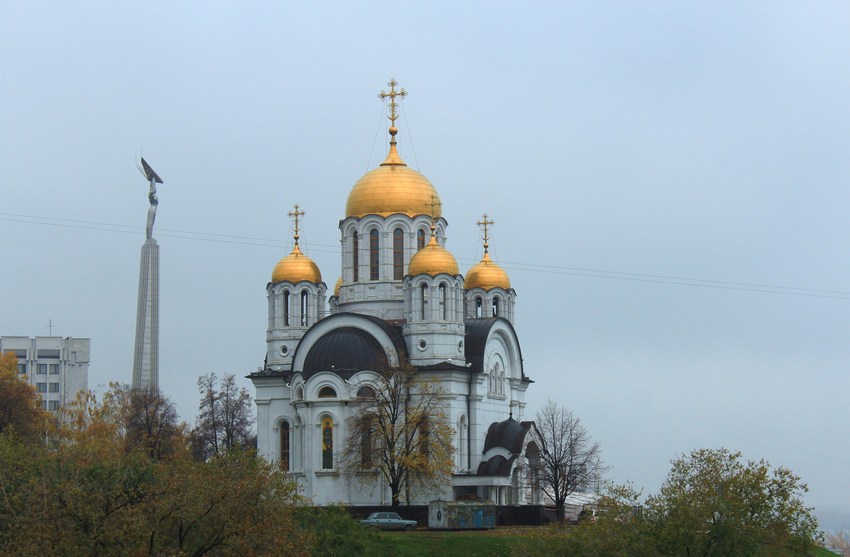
146,357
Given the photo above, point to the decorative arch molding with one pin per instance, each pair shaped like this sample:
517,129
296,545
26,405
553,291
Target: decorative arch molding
377,328
486,335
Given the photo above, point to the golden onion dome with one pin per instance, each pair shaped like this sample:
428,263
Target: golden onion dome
337,286
486,274
296,267
393,188
432,260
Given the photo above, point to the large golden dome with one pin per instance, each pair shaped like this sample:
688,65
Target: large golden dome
393,188
337,286
296,267
432,260
486,274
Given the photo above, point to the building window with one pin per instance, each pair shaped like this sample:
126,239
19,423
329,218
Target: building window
286,308
41,387
496,306
478,306
424,302
355,252
398,254
53,369
443,301
304,309
424,438
41,368
284,446
366,392
367,441
327,443
420,239
53,405
54,387
373,254
327,392
299,393
22,368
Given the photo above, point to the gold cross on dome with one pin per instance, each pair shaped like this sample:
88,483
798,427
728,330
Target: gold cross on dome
392,95
294,214
485,222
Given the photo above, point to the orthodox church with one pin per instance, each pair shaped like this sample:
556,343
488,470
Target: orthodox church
401,301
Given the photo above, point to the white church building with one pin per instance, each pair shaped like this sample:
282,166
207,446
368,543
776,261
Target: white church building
400,301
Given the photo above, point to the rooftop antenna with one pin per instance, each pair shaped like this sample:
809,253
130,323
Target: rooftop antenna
49,327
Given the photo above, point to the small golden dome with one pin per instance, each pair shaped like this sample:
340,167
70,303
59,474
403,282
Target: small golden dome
296,267
337,286
393,188
432,260
486,274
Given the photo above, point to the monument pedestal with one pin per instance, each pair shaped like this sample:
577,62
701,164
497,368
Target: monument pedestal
146,357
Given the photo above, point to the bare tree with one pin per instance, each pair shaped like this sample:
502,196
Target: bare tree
150,421
224,416
401,430
569,460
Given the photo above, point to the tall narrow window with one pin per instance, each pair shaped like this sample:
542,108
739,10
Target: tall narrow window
355,253
423,290
304,308
373,254
478,308
424,438
367,444
284,446
398,254
443,301
420,239
495,306
286,308
327,443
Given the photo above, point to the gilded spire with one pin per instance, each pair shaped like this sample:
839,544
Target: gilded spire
392,157
294,215
485,223
393,114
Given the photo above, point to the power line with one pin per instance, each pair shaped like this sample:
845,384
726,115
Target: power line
512,265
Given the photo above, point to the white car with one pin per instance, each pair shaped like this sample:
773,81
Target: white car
388,521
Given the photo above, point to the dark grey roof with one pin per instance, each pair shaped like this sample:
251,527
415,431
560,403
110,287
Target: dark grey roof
496,466
508,434
349,349
477,331
346,348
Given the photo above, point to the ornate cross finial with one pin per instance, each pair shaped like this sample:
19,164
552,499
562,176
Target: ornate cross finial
393,105
294,214
485,223
392,95
434,204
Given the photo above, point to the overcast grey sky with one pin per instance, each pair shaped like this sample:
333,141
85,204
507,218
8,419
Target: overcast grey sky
669,182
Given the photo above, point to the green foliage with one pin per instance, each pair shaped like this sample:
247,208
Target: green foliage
335,534
96,492
711,505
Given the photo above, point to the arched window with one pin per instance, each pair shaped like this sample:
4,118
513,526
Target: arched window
495,306
327,443
355,252
304,308
284,445
424,302
373,254
327,392
443,303
366,392
478,306
398,254
286,308
299,393
420,239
